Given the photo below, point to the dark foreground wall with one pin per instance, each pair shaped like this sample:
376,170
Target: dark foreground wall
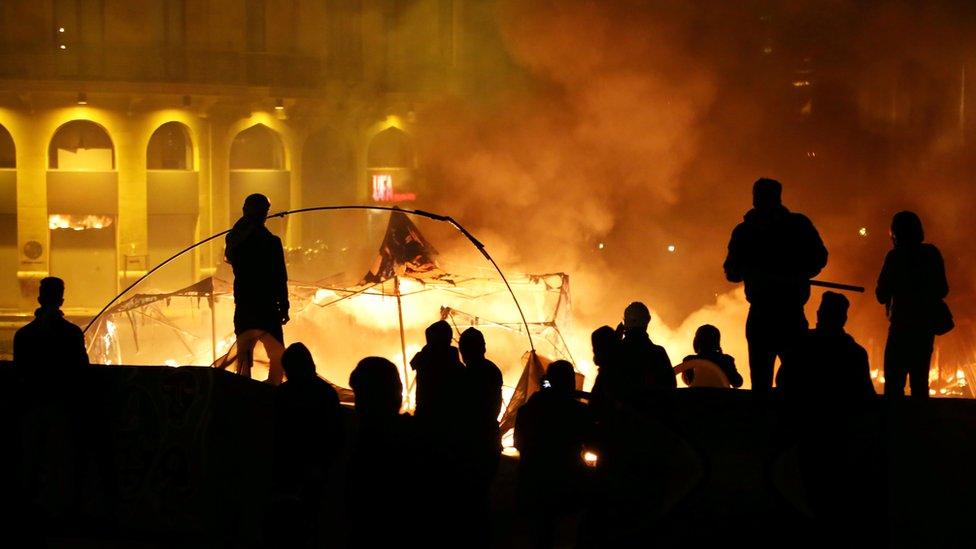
157,456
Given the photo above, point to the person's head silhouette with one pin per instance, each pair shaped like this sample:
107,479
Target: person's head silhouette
561,377
767,193
636,317
707,340
376,385
439,333
256,207
604,341
906,228
472,344
832,313
297,362
50,294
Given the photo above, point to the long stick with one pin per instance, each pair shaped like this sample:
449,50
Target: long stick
403,340
837,286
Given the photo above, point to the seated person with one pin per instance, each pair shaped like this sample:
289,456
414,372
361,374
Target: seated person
709,366
827,361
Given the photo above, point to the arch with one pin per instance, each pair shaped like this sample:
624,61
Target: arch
83,146
170,148
257,148
8,152
390,148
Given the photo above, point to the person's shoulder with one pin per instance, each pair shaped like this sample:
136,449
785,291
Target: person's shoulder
931,251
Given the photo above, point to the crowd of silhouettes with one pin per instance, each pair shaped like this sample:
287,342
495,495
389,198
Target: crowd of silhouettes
436,465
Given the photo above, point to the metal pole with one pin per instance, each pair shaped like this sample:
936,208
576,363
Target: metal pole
403,340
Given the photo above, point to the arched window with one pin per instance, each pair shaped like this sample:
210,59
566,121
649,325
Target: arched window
257,148
81,145
8,154
170,148
390,148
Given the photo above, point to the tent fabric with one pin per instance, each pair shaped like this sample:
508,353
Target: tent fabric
404,252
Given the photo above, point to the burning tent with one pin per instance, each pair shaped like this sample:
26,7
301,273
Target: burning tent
407,285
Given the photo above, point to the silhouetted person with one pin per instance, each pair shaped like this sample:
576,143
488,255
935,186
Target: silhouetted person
645,364
307,438
911,285
59,407
386,475
550,431
260,286
826,384
483,399
708,347
439,377
611,387
50,351
827,365
775,252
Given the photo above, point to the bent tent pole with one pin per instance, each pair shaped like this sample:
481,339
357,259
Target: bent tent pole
437,217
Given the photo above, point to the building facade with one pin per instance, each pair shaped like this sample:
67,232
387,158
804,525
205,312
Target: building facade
134,128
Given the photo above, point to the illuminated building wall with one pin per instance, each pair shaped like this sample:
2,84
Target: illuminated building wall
137,126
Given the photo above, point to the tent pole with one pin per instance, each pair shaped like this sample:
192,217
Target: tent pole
213,329
403,340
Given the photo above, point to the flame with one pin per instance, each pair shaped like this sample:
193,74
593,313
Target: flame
78,222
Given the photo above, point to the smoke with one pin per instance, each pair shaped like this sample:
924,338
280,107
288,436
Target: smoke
618,141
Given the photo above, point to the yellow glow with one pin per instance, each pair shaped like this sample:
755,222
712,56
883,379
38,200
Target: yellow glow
590,458
863,231
78,222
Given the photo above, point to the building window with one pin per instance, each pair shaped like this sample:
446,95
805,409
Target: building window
170,148
83,146
8,154
257,148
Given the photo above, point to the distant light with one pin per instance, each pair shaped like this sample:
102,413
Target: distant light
671,248
811,154
63,47
600,246
590,458
768,50
801,83
279,104
82,98
60,29
863,231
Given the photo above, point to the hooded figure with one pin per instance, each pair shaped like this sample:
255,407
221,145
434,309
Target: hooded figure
775,252
911,286
645,364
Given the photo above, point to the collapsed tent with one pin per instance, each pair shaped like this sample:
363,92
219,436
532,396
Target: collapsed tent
406,286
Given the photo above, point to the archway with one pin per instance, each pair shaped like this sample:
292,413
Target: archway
82,203
9,287
390,162
172,203
257,165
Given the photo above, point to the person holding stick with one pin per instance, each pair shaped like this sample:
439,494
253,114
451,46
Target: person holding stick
775,252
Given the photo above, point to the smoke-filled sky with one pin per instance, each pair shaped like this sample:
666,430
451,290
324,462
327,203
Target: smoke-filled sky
641,125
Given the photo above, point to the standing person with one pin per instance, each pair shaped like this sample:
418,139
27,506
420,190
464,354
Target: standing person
439,377
260,287
775,252
646,365
550,430
911,286
307,437
483,393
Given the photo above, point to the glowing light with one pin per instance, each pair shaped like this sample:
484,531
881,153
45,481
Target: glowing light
811,154
82,96
170,362
600,246
672,248
383,190
590,458
279,104
78,222
768,50
931,391
863,231
881,379
801,83
63,47
874,374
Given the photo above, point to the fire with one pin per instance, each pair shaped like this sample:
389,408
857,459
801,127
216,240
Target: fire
78,222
